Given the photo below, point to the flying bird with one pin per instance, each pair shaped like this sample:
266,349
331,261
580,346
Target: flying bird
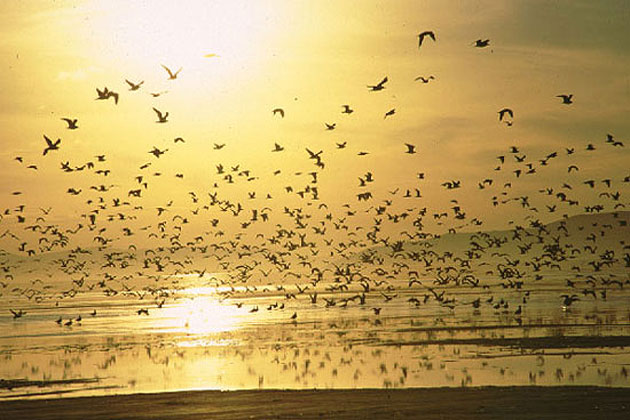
411,149
72,124
390,113
278,111
161,117
566,99
504,111
50,145
347,109
171,75
157,152
481,43
106,94
134,86
379,86
423,35
424,79
277,148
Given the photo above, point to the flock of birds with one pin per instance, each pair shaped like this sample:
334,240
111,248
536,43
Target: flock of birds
367,252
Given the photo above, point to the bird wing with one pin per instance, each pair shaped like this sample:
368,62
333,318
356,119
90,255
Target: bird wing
170,73
158,112
48,141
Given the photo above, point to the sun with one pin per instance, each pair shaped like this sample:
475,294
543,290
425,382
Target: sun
186,34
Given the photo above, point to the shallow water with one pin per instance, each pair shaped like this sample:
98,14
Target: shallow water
201,339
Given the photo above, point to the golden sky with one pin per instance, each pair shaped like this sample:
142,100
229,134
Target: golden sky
309,58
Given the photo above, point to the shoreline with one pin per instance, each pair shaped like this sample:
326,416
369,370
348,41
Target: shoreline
527,402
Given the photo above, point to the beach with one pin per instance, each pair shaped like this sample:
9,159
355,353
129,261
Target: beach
435,403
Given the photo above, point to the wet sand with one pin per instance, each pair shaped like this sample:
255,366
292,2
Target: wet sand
424,403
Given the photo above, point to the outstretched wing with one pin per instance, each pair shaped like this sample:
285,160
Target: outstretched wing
170,73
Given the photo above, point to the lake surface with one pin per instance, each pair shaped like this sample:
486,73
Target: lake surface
376,318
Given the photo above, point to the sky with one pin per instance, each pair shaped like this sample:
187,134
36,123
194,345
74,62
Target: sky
241,60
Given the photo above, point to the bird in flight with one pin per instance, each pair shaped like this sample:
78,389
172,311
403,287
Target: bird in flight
330,126
504,111
106,94
277,148
423,35
481,43
347,109
424,79
411,149
390,113
50,145
72,124
278,111
134,86
379,86
157,152
171,75
566,99
162,118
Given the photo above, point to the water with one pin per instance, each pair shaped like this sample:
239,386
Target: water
367,327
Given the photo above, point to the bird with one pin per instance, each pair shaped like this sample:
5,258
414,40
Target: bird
278,111
566,99
178,140
277,148
157,152
411,149
390,113
50,145
424,79
134,86
568,300
161,117
423,35
504,111
72,123
171,75
481,43
17,314
347,109
330,126
106,94
379,86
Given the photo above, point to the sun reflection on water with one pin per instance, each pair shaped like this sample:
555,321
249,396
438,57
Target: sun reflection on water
201,313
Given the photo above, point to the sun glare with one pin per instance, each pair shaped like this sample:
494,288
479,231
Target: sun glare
203,314
186,34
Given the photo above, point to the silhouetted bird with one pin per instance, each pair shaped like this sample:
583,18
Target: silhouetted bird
50,145
72,124
566,99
